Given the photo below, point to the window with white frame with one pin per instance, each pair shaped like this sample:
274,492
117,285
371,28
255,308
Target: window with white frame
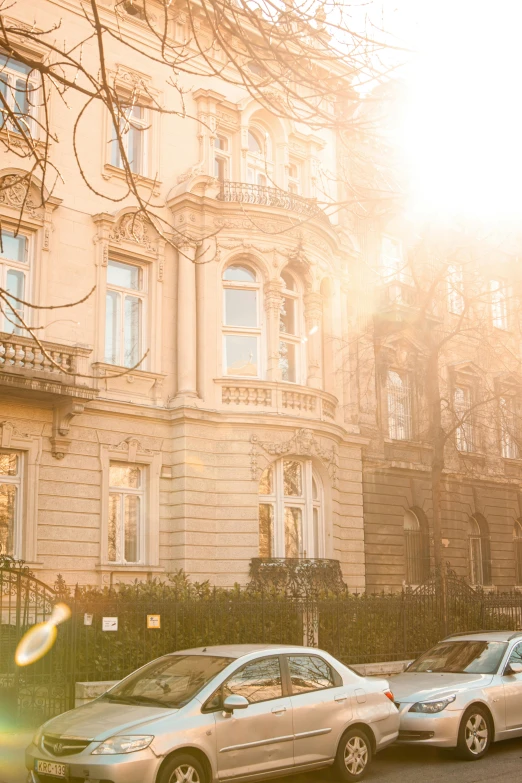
455,287
508,426
10,503
464,434
393,266
399,400
126,513
20,92
124,313
291,345
14,278
295,177
134,137
499,303
259,158
291,510
222,166
241,322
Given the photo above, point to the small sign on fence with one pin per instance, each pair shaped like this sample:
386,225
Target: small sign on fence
109,623
87,619
153,621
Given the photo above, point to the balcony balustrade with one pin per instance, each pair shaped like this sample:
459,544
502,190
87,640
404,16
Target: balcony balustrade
262,195
274,397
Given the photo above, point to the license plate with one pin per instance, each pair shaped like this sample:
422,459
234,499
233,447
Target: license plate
51,768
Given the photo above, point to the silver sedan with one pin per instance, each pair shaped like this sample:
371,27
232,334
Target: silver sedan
464,693
237,713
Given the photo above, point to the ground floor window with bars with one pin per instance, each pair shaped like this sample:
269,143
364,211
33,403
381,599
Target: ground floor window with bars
416,550
517,545
478,552
10,503
126,502
290,510
399,399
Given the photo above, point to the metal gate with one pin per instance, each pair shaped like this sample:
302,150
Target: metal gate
32,694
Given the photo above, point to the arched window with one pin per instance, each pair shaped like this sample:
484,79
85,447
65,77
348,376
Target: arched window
291,344
416,549
259,159
517,544
478,551
241,322
290,510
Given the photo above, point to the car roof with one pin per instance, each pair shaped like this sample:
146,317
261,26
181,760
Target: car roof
240,650
484,636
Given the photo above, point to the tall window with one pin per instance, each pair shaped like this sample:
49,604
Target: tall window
508,427
290,331
290,511
393,266
398,393
19,92
134,138
477,553
10,502
124,314
499,303
455,283
416,549
259,162
14,278
464,434
517,544
295,178
221,158
241,322
126,501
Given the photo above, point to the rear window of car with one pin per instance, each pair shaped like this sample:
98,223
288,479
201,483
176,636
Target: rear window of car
462,657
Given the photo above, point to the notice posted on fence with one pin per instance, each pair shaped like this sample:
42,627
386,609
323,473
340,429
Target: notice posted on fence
109,623
153,621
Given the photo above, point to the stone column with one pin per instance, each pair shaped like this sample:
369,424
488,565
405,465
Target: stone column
273,300
186,323
313,305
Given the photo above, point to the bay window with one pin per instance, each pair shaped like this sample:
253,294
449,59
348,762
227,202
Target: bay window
124,313
241,322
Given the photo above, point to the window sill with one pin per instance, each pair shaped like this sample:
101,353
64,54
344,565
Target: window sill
114,172
118,567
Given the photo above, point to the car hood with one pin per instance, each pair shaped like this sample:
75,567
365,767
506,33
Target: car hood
425,686
99,720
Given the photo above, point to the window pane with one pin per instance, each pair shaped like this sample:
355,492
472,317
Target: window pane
399,406
287,361
315,492
220,143
132,517
14,248
240,307
288,281
287,320
293,532
220,169
13,65
257,681
8,465
309,673
292,476
241,355
15,286
112,327
123,275
115,150
135,146
240,274
132,331
122,475
266,482
114,548
317,534
21,105
8,499
254,145
266,528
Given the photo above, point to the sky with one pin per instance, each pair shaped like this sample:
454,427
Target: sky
461,131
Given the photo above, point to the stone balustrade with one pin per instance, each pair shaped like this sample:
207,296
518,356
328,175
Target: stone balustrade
22,356
276,397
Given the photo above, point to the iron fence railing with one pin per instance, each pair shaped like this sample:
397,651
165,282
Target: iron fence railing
262,195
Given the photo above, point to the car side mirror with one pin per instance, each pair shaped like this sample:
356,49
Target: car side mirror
234,702
513,668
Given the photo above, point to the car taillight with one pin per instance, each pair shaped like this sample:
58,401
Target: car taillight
389,694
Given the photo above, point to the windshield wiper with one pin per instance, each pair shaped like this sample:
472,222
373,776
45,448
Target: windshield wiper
136,700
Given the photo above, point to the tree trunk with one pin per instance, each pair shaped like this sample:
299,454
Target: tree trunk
438,441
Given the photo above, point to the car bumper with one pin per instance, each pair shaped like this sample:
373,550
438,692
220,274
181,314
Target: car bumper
139,767
385,731
440,730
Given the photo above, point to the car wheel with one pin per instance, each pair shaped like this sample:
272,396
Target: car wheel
474,733
182,768
353,755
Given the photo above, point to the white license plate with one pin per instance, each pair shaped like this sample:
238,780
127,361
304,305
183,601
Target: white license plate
51,768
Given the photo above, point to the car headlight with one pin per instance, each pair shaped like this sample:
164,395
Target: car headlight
432,706
38,737
124,744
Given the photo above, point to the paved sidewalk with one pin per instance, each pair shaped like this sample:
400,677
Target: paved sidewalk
12,747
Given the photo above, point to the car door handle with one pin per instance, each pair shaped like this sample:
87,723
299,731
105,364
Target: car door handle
278,710
341,698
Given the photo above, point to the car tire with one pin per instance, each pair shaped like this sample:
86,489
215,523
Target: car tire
354,755
182,766
475,733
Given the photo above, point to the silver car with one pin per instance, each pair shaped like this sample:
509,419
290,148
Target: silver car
243,712
464,693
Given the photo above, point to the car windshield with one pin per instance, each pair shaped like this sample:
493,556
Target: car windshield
171,681
473,657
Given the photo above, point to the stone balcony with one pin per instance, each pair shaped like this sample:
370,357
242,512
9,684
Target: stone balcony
264,196
277,398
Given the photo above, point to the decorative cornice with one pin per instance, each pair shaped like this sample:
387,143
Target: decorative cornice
303,443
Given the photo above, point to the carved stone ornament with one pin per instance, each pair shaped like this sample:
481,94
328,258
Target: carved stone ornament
8,432
131,446
132,228
62,417
303,443
14,192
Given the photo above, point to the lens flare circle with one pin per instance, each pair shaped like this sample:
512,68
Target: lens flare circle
39,639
